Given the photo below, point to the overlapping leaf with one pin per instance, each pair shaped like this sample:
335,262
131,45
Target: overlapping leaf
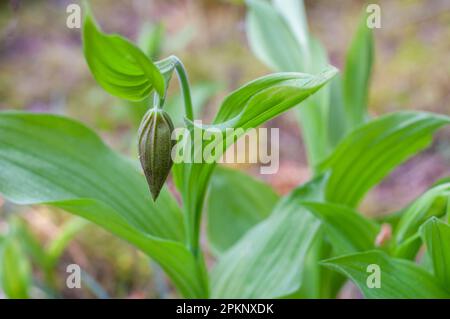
271,259
268,262
47,159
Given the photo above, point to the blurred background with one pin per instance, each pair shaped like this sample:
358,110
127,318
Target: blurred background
42,69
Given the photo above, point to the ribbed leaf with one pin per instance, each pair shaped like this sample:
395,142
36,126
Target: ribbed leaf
120,67
46,159
268,262
436,236
236,203
273,259
365,156
400,279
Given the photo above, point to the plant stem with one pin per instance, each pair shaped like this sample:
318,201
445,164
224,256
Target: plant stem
191,213
192,236
185,88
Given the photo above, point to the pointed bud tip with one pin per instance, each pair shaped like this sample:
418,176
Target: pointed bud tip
155,193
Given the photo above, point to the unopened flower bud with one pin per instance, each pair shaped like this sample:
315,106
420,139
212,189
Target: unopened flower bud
155,148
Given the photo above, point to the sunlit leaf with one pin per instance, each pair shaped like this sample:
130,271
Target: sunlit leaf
120,67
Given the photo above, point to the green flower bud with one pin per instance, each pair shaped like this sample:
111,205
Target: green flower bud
155,148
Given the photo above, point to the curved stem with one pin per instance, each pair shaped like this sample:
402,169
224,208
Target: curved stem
184,84
192,236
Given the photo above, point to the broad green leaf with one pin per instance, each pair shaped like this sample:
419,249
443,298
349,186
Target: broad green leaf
400,279
436,236
347,230
365,156
176,260
271,259
434,202
15,270
271,39
47,159
268,261
120,67
236,202
356,77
